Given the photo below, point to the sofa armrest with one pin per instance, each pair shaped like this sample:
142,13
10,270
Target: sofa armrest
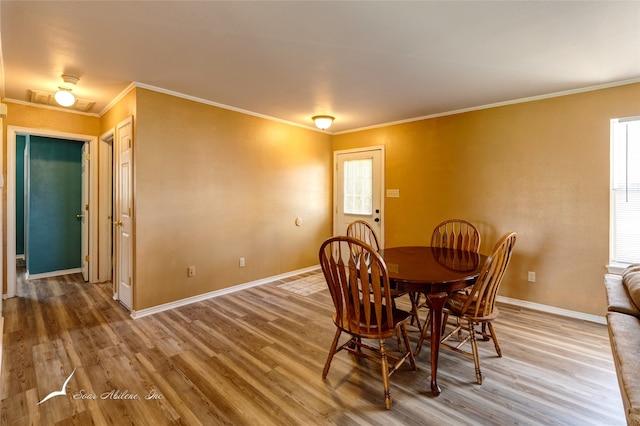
624,334
618,299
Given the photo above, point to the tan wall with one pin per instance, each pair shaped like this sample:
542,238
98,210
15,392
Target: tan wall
50,119
124,108
43,119
538,168
213,185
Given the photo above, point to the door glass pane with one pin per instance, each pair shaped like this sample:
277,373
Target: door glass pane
358,188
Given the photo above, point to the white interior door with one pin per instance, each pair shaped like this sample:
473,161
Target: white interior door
84,213
358,187
123,223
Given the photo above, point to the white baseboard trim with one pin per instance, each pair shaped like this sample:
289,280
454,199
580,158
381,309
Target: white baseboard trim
182,302
52,274
552,310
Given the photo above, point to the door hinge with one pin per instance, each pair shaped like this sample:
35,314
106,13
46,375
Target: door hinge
86,258
86,207
88,157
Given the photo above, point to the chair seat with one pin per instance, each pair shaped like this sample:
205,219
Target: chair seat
372,331
396,293
455,305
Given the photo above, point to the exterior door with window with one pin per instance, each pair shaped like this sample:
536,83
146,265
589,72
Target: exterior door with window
358,189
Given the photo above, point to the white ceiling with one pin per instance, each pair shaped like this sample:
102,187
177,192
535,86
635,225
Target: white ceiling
366,63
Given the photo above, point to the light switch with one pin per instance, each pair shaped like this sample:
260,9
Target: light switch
393,193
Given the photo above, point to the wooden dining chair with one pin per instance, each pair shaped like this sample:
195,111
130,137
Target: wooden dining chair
362,231
352,269
478,306
455,234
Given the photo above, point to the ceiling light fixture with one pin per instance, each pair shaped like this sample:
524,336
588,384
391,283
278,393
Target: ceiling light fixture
323,122
64,96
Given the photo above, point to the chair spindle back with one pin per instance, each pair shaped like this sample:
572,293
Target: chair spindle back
361,230
482,297
456,234
352,269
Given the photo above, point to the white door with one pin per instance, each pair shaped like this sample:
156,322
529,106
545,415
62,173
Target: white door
123,212
84,213
358,189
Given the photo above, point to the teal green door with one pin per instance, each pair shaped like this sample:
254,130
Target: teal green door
54,201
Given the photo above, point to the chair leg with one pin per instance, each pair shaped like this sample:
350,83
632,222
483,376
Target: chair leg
484,334
476,355
407,345
423,333
445,320
415,305
332,352
384,365
495,339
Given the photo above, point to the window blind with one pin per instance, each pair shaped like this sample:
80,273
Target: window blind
625,190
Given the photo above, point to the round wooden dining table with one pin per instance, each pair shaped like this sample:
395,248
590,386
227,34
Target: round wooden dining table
435,272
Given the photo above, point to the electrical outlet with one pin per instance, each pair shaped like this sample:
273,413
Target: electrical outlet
531,277
241,262
191,271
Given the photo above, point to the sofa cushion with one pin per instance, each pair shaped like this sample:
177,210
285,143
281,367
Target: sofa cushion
624,334
634,267
618,299
631,280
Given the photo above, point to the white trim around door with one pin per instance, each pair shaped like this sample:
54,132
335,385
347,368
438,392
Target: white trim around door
12,133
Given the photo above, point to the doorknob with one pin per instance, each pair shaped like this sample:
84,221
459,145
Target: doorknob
118,223
79,216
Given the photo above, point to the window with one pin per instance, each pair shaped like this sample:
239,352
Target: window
625,190
358,190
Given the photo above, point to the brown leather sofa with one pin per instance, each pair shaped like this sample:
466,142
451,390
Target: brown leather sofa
623,322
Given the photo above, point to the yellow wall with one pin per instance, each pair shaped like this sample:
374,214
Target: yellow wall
213,185
125,107
539,168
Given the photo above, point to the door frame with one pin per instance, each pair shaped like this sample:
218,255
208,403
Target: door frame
105,219
12,133
381,149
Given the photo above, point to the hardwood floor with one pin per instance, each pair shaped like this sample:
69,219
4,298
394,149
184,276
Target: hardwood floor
255,357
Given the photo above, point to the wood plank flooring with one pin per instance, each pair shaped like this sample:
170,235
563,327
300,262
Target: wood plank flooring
255,357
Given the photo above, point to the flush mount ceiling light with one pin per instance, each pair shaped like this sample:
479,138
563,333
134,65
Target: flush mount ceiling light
323,122
64,96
